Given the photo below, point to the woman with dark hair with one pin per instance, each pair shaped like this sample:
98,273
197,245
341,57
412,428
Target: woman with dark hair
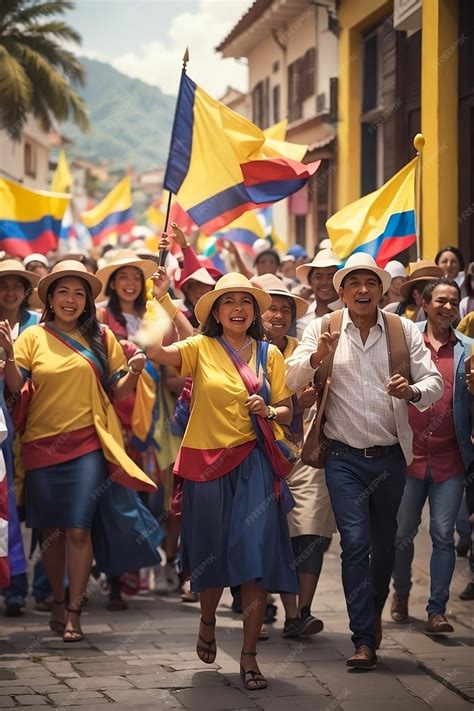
16,285
451,262
311,521
67,368
124,284
467,303
234,528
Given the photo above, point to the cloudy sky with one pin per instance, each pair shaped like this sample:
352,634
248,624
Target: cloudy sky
147,39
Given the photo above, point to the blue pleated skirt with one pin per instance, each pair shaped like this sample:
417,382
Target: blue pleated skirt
65,495
79,494
234,530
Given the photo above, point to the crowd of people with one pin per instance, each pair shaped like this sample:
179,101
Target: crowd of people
197,442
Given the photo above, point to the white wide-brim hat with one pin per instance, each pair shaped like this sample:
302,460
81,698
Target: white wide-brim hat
358,262
324,258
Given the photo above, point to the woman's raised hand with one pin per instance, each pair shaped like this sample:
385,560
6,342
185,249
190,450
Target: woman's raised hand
161,282
179,236
6,340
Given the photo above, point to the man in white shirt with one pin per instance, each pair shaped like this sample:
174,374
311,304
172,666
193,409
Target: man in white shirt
370,441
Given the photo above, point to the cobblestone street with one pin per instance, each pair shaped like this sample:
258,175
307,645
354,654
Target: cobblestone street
145,657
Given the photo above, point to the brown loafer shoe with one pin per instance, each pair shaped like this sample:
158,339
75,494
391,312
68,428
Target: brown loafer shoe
438,624
378,631
363,658
399,609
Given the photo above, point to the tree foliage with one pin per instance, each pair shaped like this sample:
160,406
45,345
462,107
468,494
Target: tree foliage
37,72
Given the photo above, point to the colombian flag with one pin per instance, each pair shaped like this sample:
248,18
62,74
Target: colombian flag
30,220
381,223
244,231
221,165
112,214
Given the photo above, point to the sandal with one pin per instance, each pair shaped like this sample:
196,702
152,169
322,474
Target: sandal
255,678
264,634
57,626
207,654
73,635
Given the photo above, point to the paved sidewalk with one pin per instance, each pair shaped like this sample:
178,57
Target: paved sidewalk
145,657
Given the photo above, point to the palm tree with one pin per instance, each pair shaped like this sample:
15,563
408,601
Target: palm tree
36,70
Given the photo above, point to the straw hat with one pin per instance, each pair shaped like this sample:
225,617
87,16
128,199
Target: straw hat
228,283
359,261
424,270
275,287
324,258
68,268
10,267
124,258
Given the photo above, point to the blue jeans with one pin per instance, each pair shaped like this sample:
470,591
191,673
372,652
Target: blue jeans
16,592
444,500
365,496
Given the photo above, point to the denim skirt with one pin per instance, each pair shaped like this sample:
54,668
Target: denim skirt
65,495
234,530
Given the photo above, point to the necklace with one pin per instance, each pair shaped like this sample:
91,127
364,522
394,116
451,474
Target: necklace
243,347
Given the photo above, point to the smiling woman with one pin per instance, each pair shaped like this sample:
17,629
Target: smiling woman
71,366
231,509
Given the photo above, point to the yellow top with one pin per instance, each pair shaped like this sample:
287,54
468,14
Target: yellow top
68,396
219,417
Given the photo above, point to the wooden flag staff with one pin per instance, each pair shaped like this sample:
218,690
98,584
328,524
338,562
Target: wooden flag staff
162,253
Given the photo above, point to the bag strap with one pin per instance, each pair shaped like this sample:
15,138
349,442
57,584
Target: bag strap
329,323
397,347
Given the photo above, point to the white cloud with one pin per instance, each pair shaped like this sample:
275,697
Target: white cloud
160,64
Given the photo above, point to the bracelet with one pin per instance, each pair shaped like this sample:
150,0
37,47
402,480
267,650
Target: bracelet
132,371
272,413
167,303
11,360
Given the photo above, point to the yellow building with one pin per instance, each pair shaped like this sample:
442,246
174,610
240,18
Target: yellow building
407,66
291,50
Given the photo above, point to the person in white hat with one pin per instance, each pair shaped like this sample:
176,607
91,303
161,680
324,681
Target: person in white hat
399,276
369,438
227,476
318,275
37,263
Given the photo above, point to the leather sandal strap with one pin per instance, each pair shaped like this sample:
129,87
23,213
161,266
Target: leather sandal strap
248,654
208,624
76,612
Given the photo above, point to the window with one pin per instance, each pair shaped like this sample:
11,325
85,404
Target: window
295,99
260,103
276,93
373,118
275,66
307,80
30,160
301,83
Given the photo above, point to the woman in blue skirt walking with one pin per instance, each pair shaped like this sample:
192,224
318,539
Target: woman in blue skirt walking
234,528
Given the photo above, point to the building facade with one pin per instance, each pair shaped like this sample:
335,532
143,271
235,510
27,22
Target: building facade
25,158
407,66
291,50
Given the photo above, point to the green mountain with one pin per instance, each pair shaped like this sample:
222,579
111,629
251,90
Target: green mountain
131,121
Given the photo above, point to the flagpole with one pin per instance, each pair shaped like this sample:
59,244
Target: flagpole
162,253
419,143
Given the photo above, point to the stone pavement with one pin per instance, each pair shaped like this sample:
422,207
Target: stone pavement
144,657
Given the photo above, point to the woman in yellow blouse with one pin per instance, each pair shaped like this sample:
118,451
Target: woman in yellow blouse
234,528
71,446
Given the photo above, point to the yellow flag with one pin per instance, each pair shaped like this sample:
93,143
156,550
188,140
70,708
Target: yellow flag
62,178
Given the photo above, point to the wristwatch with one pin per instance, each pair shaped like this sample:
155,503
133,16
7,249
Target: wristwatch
416,397
272,413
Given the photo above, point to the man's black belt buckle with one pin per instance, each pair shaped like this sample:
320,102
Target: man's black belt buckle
373,452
